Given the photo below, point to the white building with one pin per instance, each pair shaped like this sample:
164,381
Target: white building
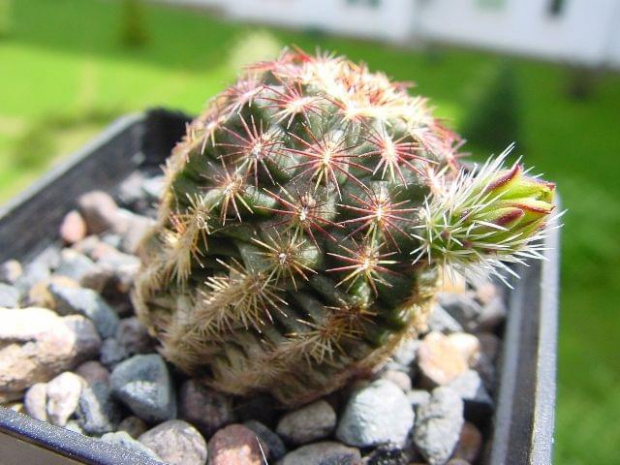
585,32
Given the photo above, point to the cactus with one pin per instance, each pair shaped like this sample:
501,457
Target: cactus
308,217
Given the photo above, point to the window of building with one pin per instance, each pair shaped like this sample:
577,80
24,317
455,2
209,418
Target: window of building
556,7
368,3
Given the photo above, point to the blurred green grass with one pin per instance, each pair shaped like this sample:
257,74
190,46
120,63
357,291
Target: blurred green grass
64,61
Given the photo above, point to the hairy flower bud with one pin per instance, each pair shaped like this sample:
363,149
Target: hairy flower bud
484,216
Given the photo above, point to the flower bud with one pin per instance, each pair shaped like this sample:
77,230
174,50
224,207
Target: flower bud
485,216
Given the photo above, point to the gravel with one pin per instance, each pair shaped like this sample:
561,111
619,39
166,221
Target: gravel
88,286
438,426
205,408
441,321
10,296
307,424
10,272
133,337
97,411
125,441
93,372
237,444
36,344
112,353
323,453
470,387
74,265
86,302
463,307
63,395
133,426
144,385
35,401
376,414
440,360
176,442
268,438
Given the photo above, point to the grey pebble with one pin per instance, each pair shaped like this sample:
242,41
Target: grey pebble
111,239
124,440
400,378
144,385
97,279
176,442
418,397
63,396
35,272
492,314
10,272
74,265
307,424
122,268
35,401
323,453
97,411
463,307
274,443
470,388
137,227
441,321
112,353
154,187
404,356
10,296
376,414
133,336
130,192
86,302
438,426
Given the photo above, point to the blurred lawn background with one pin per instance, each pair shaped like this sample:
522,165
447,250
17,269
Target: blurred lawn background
64,75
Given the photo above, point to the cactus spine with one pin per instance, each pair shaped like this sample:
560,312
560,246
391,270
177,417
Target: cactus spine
307,216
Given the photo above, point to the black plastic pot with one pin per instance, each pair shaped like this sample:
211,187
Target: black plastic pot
524,422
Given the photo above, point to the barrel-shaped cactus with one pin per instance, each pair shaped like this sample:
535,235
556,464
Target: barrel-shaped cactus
308,216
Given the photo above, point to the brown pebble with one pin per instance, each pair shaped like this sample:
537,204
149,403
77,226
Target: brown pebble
236,445
93,372
73,228
99,210
206,409
40,295
133,426
470,443
486,292
440,360
468,345
176,442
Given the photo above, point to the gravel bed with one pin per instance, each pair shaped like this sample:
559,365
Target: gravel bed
72,353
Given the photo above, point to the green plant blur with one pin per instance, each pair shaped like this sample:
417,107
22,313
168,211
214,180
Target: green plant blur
64,75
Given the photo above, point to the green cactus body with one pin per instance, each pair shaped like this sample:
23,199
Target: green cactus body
297,243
